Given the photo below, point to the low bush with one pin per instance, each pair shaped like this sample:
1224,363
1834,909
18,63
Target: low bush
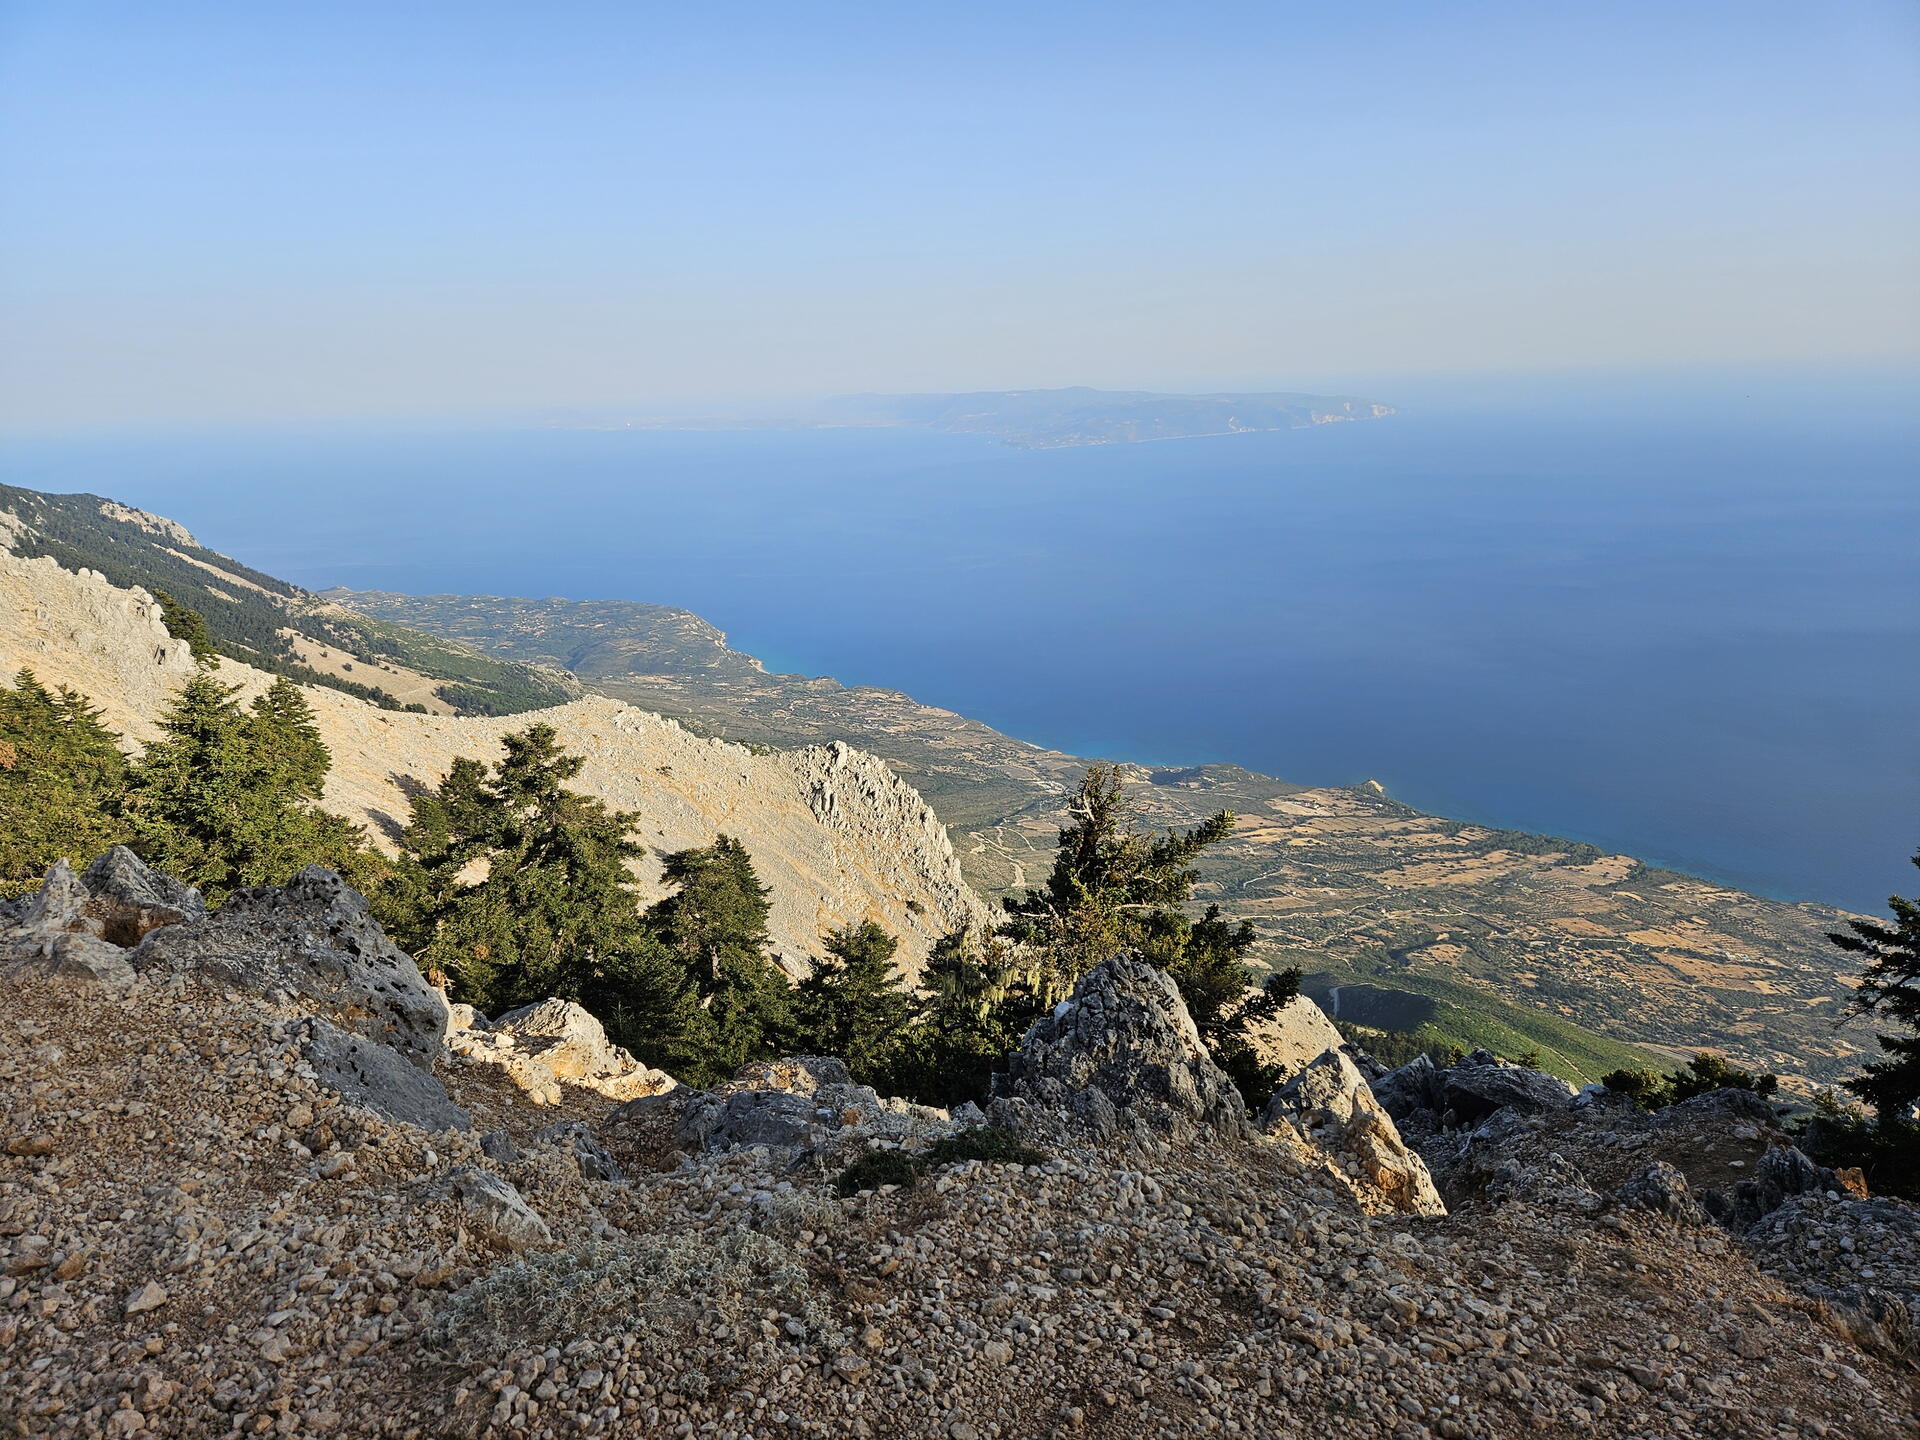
982,1142
1651,1091
989,1143
665,1291
877,1168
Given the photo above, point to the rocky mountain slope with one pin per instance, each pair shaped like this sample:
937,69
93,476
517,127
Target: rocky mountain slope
833,831
266,622
244,1191
1500,938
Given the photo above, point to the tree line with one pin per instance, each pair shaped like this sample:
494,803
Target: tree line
510,886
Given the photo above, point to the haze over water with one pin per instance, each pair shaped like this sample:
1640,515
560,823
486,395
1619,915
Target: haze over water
1676,621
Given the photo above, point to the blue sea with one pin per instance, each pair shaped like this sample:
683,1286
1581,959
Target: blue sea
1678,618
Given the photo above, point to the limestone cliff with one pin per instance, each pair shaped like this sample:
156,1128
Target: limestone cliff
834,832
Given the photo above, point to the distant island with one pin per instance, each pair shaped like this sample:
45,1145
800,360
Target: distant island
1052,419
1044,419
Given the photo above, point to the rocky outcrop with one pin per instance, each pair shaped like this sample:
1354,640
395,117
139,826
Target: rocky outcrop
73,628
1483,1083
50,939
77,927
1778,1175
126,899
199,1235
378,1077
1294,1036
1859,1256
1120,1061
313,941
551,1042
798,1103
834,833
1328,1105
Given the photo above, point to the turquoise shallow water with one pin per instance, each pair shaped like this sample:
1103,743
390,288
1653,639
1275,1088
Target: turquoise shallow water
1685,628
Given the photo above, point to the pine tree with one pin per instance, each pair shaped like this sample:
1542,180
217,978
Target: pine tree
854,1004
187,624
190,805
289,763
552,911
1115,888
62,782
1890,986
1112,888
715,925
228,798
981,997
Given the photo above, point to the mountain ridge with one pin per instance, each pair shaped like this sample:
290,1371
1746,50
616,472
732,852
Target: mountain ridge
266,622
835,834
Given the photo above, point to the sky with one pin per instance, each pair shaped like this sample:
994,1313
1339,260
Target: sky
233,213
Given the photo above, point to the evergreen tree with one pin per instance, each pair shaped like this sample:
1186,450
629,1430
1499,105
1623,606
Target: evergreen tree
715,925
1115,888
191,806
62,782
228,798
854,1004
1888,1145
1112,888
518,888
1889,986
288,763
187,624
981,996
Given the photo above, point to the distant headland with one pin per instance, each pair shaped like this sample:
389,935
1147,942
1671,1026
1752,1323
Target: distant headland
1043,419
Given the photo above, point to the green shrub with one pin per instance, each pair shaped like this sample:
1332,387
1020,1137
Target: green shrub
982,1142
1705,1072
896,1167
877,1168
663,1291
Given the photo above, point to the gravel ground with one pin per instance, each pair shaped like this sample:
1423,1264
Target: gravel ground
199,1240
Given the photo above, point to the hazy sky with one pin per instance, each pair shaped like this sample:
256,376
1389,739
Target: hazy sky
263,210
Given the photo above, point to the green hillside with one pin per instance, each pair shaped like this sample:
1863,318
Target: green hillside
256,618
1434,1013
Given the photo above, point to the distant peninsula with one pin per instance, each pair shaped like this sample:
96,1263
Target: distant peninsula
1040,419
1054,419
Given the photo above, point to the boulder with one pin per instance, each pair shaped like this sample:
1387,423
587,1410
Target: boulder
474,1046
314,940
1662,1190
496,1210
1293,1037
378,1077
1482,1084
799,1074
552,1041
1329,1107
797,1103
1778,1175
51,938
571,1044
1412,1091
1120,1060
577,1140
126,900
